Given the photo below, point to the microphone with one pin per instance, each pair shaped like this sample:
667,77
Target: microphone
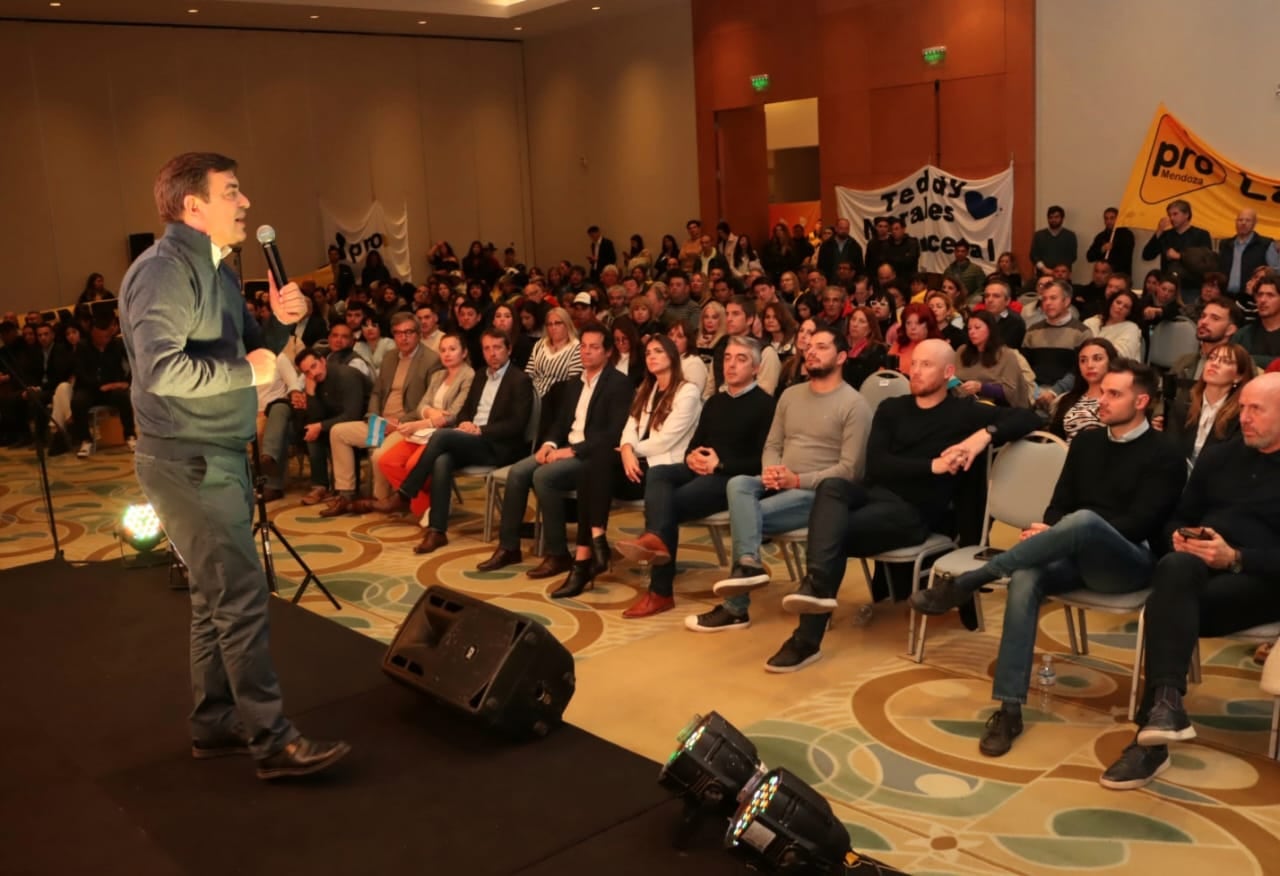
267,237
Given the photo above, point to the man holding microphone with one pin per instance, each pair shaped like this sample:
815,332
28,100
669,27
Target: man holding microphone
196,354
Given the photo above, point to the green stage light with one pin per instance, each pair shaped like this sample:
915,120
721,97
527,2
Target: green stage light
140,528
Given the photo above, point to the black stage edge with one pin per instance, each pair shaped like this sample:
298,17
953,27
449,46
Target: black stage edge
96,773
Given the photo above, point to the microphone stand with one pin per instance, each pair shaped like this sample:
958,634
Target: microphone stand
41,426
265,527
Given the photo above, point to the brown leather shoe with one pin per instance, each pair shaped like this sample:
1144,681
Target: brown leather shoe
302,757
501,559
551,566
650,604
317,495
337,507
431,541
648,549
390,505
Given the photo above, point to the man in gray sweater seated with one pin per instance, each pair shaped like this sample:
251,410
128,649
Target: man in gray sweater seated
819,431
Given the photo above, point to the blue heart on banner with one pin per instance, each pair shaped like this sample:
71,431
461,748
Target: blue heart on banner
978,206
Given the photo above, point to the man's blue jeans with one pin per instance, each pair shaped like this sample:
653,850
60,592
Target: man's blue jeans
1080,550
753,514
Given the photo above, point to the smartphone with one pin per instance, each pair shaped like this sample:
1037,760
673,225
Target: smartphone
1198,534
988,554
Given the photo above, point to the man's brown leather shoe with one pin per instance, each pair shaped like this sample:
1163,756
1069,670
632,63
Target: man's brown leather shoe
501,559
431,541
301,757
648,549
316,496
338,507
393,503
551,566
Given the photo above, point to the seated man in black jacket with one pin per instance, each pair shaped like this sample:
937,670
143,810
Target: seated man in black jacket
1220,577
102,378
1116,490
729,441
335,394
583,416
490,430
919,448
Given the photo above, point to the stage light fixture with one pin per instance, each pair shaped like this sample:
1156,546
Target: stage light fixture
140,528
784,826
712,765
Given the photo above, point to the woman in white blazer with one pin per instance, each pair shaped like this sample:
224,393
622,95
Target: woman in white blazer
663,417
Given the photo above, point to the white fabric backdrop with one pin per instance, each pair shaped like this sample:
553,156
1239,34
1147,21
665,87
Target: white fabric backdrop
939,208
376,229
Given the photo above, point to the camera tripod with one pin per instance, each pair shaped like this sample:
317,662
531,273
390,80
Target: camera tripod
40,426
264,528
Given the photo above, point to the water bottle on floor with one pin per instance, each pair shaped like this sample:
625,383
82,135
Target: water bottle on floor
1046,678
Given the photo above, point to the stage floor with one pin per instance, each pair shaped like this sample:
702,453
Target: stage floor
96,774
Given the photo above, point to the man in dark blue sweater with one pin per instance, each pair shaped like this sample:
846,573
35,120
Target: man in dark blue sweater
196,355
1117,488
729,441
1219,578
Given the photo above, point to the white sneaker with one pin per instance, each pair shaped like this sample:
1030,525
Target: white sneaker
86,448
132,442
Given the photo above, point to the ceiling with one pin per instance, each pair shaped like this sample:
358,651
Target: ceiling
486,19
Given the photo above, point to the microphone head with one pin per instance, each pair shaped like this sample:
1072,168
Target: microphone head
266,234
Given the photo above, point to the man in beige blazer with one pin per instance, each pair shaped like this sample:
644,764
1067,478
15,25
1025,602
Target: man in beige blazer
402,380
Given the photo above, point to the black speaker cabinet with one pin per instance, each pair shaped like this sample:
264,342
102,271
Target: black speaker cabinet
138,244
503,669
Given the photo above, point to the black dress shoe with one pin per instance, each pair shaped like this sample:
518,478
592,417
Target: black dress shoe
501,559
600,555
226,745
301,757
581,577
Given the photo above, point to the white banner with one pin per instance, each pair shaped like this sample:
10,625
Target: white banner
357,236
938,209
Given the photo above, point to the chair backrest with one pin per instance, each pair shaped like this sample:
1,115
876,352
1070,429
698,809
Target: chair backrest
884,384
1172,340
531,430
1023,477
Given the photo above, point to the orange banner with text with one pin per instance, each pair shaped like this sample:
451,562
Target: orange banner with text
806,213
1174,163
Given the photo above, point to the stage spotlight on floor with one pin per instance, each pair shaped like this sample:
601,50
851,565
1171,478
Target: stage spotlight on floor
784,826
714,762
141,530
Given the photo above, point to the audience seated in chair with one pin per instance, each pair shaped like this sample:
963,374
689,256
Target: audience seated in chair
819,431
728,442
1212,413
334,394
1117,488
101,378
920,448
1050,346
582,418
49,369
1262,338
1219,578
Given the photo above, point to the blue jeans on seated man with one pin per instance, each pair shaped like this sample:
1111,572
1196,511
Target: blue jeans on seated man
447,449
674,494
756,511
278,432
1080,550
550,483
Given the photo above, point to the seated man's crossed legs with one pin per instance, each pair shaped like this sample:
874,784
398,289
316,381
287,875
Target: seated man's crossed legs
550,482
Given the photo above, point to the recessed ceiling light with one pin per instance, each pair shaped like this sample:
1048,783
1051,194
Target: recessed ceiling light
595,8
422,21
192,11
314,17
55,4
517,27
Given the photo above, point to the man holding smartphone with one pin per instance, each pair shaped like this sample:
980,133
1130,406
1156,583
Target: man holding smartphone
1219,578
1117,488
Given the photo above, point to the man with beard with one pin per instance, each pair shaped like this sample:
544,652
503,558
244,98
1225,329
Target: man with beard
1219,321
1117,488
1112,245
920,448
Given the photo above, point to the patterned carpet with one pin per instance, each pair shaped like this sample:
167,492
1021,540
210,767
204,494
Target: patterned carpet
891,743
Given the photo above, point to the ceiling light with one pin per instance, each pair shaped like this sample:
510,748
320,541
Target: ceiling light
192,11
517,27
55,4
422,21
595,8
314,17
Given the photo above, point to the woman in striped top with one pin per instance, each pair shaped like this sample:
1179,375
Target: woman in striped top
555,356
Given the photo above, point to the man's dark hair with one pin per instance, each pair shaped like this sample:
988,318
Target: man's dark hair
845,263
897,220
1110,210
355,307
1144,379
1056,209
838,338
8,326
677,274
762,280
596,328
593,229
497,333
697,222
960,243
187,174
1235,315
470,304
302,357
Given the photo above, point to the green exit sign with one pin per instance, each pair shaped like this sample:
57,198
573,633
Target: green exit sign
760,81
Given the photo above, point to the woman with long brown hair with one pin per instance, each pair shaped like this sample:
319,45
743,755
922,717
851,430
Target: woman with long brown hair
663,415
867,349
1214,413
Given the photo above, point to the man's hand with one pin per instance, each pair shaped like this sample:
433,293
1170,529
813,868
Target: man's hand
263,362
298,400
288,304
1150,313
543,455
311,432
947,464
1163,225
469,427
779,477
1172,254
702,460
408,428
969,449
1215,552
1032,530
1106,248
